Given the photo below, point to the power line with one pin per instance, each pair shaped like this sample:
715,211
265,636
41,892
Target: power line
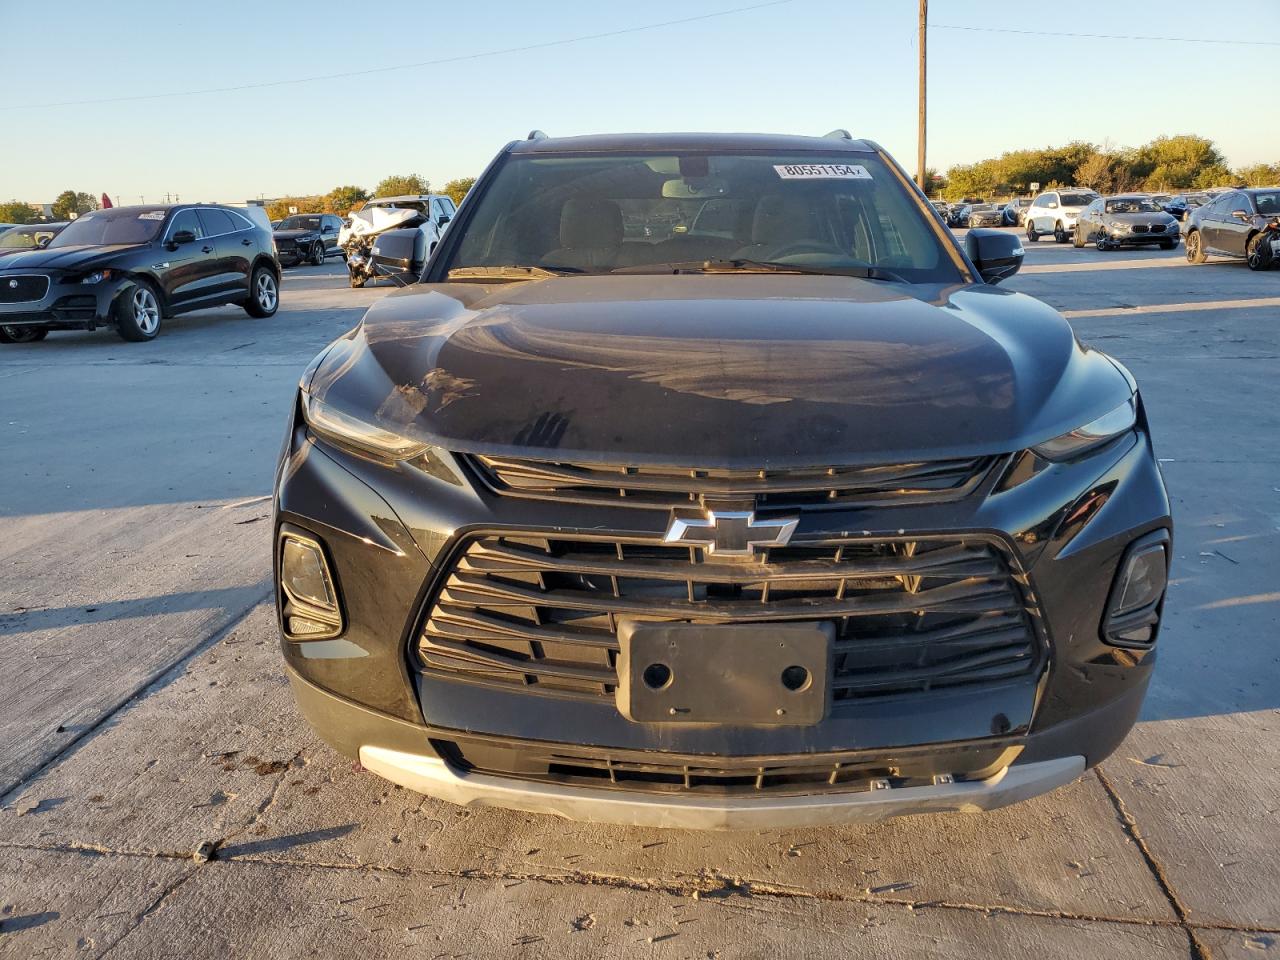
406,66
1103,36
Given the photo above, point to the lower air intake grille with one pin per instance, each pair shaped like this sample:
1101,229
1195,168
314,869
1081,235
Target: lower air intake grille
911,615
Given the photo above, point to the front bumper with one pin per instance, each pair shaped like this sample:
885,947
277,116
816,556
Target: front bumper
365,694
66,306
1142,239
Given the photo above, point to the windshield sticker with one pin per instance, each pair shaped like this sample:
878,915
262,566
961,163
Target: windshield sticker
152,215
822,171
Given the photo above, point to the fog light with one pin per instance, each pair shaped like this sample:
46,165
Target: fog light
1133,611
308,596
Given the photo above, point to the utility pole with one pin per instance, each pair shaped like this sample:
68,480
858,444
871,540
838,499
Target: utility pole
924,24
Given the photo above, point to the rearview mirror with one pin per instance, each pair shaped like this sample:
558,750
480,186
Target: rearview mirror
997,255
181,237
694,189
44,241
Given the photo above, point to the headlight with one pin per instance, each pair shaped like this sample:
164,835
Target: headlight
357,435
1093,434
1119,226
97,276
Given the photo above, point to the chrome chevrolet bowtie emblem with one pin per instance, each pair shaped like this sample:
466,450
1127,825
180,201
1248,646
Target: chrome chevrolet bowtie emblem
730,533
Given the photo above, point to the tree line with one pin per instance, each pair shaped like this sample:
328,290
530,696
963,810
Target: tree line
340,200
1166,165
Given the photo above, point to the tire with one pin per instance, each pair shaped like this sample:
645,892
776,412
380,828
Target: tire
1060,234
317,254
138,313
1195,253
1258,252
23,334
1100,241
1032,236
264,293
1077,239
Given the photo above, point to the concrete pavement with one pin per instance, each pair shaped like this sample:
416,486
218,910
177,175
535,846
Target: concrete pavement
143,712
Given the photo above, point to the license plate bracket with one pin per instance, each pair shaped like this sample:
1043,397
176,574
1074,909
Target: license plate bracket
766,674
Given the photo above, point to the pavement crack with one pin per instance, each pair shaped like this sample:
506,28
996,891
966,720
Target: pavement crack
140,918
1199,951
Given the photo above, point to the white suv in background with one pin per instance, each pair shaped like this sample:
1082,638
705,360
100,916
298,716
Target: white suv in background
1056,212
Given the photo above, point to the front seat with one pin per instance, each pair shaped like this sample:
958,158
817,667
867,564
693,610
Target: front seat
590,235
780,222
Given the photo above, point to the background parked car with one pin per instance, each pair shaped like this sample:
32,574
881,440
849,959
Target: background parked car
1232,225
1126,220
986,215
1015,211
29,236
308,237
1182,205
1055,212
129,267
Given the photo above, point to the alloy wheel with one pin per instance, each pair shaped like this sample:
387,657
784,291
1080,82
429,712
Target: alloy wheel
266,291
146,311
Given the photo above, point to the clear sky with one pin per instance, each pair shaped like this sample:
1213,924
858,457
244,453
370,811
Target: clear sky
803,66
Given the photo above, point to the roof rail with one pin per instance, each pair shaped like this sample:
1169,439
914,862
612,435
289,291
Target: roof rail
536,135
839,133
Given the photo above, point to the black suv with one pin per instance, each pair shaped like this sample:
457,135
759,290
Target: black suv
130,267
1234,224
307,237
794,519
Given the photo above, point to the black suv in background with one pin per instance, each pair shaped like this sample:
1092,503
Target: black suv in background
129,267
307,237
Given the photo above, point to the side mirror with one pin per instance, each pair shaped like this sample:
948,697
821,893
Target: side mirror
996,254
181,237
445,219
1244,215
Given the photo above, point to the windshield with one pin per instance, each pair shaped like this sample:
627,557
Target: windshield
25,238
598,214
1077,199
1133,205
299,223
106,227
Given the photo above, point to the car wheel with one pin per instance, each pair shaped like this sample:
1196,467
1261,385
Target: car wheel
317,254
1032,236
264,293
1060,234
1100,241
1195,253
137,313
22,334
1258,252
1077,239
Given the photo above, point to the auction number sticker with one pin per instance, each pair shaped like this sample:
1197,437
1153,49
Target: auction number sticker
821,171
152,215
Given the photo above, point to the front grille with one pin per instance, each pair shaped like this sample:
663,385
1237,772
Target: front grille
666,487
911,615
1157,228
1140,228
650,771
286,246
23,288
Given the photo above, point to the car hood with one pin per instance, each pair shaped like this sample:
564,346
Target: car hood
67,258
1143,218
293,234
718,371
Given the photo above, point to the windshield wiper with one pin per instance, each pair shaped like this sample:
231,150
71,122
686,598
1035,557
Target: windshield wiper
742,265
509,272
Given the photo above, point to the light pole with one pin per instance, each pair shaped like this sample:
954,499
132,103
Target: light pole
920,174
